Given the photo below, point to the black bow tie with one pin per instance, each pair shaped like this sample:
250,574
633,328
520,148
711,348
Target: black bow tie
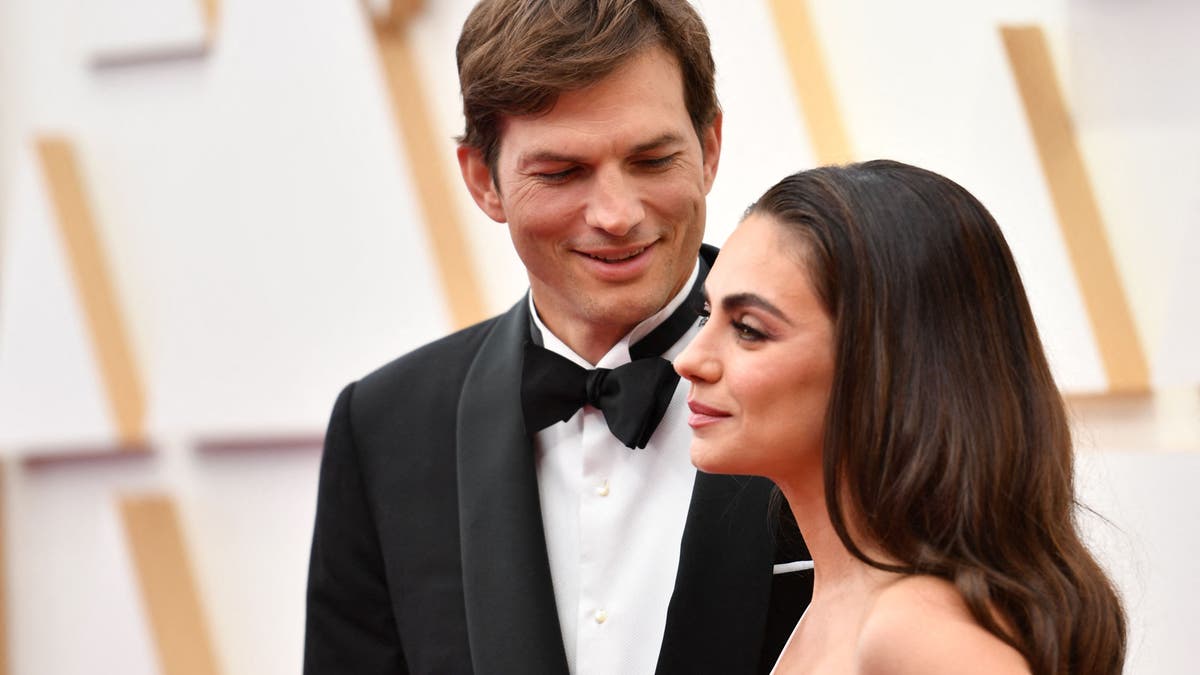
634,397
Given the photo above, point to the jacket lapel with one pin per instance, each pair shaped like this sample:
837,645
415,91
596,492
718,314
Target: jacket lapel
718,610
512,619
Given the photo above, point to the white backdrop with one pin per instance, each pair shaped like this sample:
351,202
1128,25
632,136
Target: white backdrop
258,213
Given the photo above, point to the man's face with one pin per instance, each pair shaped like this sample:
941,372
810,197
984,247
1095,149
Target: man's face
604,199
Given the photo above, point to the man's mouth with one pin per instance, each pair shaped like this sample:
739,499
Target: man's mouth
616,257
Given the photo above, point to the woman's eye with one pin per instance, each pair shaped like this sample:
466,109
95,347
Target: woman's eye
703,311
747,333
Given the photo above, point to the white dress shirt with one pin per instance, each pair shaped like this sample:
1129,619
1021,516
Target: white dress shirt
614,519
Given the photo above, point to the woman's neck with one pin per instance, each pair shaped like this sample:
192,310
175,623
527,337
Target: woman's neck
836,571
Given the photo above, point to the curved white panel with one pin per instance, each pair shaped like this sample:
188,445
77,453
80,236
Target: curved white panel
50,387
764,136
134,31
270,242
434,33
73,593
940,95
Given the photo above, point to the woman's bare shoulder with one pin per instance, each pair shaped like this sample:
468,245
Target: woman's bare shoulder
921,624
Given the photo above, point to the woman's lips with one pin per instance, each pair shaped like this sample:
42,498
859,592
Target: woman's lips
704,415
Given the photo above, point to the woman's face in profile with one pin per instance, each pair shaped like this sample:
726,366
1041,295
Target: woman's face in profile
762,367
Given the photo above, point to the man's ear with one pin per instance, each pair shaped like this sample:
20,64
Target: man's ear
478,177
710,142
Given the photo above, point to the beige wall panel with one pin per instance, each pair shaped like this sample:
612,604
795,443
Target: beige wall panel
51,388
211,11
250,515
433,33
1075,205
168,586
276,250
125,33
110,339
401,11
442,222
72,574
281,141
1126,70
3,573
811,81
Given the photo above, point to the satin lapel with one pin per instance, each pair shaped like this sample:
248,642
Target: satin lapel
512,619
718,610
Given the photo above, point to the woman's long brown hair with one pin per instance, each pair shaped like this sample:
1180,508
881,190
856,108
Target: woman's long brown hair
947,441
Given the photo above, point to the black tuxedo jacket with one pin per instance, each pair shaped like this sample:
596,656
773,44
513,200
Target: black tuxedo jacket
429,555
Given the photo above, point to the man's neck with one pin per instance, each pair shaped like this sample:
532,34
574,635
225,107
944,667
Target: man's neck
592,341
589,342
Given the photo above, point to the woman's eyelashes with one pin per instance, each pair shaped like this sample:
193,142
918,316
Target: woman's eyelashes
746,332
742,330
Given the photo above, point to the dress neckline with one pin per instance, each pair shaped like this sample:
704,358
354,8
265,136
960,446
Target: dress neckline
788,643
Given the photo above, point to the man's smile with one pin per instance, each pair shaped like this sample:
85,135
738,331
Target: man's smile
615,256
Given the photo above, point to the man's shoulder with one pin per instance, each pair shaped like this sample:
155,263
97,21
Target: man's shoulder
432,364
418,391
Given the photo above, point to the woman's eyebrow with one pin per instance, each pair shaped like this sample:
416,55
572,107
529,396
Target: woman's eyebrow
741,300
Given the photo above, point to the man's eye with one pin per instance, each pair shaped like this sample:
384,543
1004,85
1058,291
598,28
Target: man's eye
657,162
557,176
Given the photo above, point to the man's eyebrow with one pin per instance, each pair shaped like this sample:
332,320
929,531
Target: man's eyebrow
557,157
740,300
668,138
549,156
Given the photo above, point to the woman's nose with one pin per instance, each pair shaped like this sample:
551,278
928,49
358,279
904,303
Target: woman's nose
695,363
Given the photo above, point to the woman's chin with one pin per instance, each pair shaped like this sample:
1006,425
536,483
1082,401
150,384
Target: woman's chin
710,459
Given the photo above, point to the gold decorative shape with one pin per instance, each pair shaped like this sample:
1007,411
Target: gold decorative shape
401,11
811,81
443,225
1076,208
168,588
110,340
210,10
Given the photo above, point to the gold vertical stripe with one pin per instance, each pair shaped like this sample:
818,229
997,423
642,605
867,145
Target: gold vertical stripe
1075,206
400,11
110,340
442,223
167,586
811,81
210,12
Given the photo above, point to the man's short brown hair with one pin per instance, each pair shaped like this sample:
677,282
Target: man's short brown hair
515,57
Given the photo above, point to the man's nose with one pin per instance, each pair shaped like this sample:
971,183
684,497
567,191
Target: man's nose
614,203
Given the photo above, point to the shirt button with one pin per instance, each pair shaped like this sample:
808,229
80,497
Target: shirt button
602,490
601,616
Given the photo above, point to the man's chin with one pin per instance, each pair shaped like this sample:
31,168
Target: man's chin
623,312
